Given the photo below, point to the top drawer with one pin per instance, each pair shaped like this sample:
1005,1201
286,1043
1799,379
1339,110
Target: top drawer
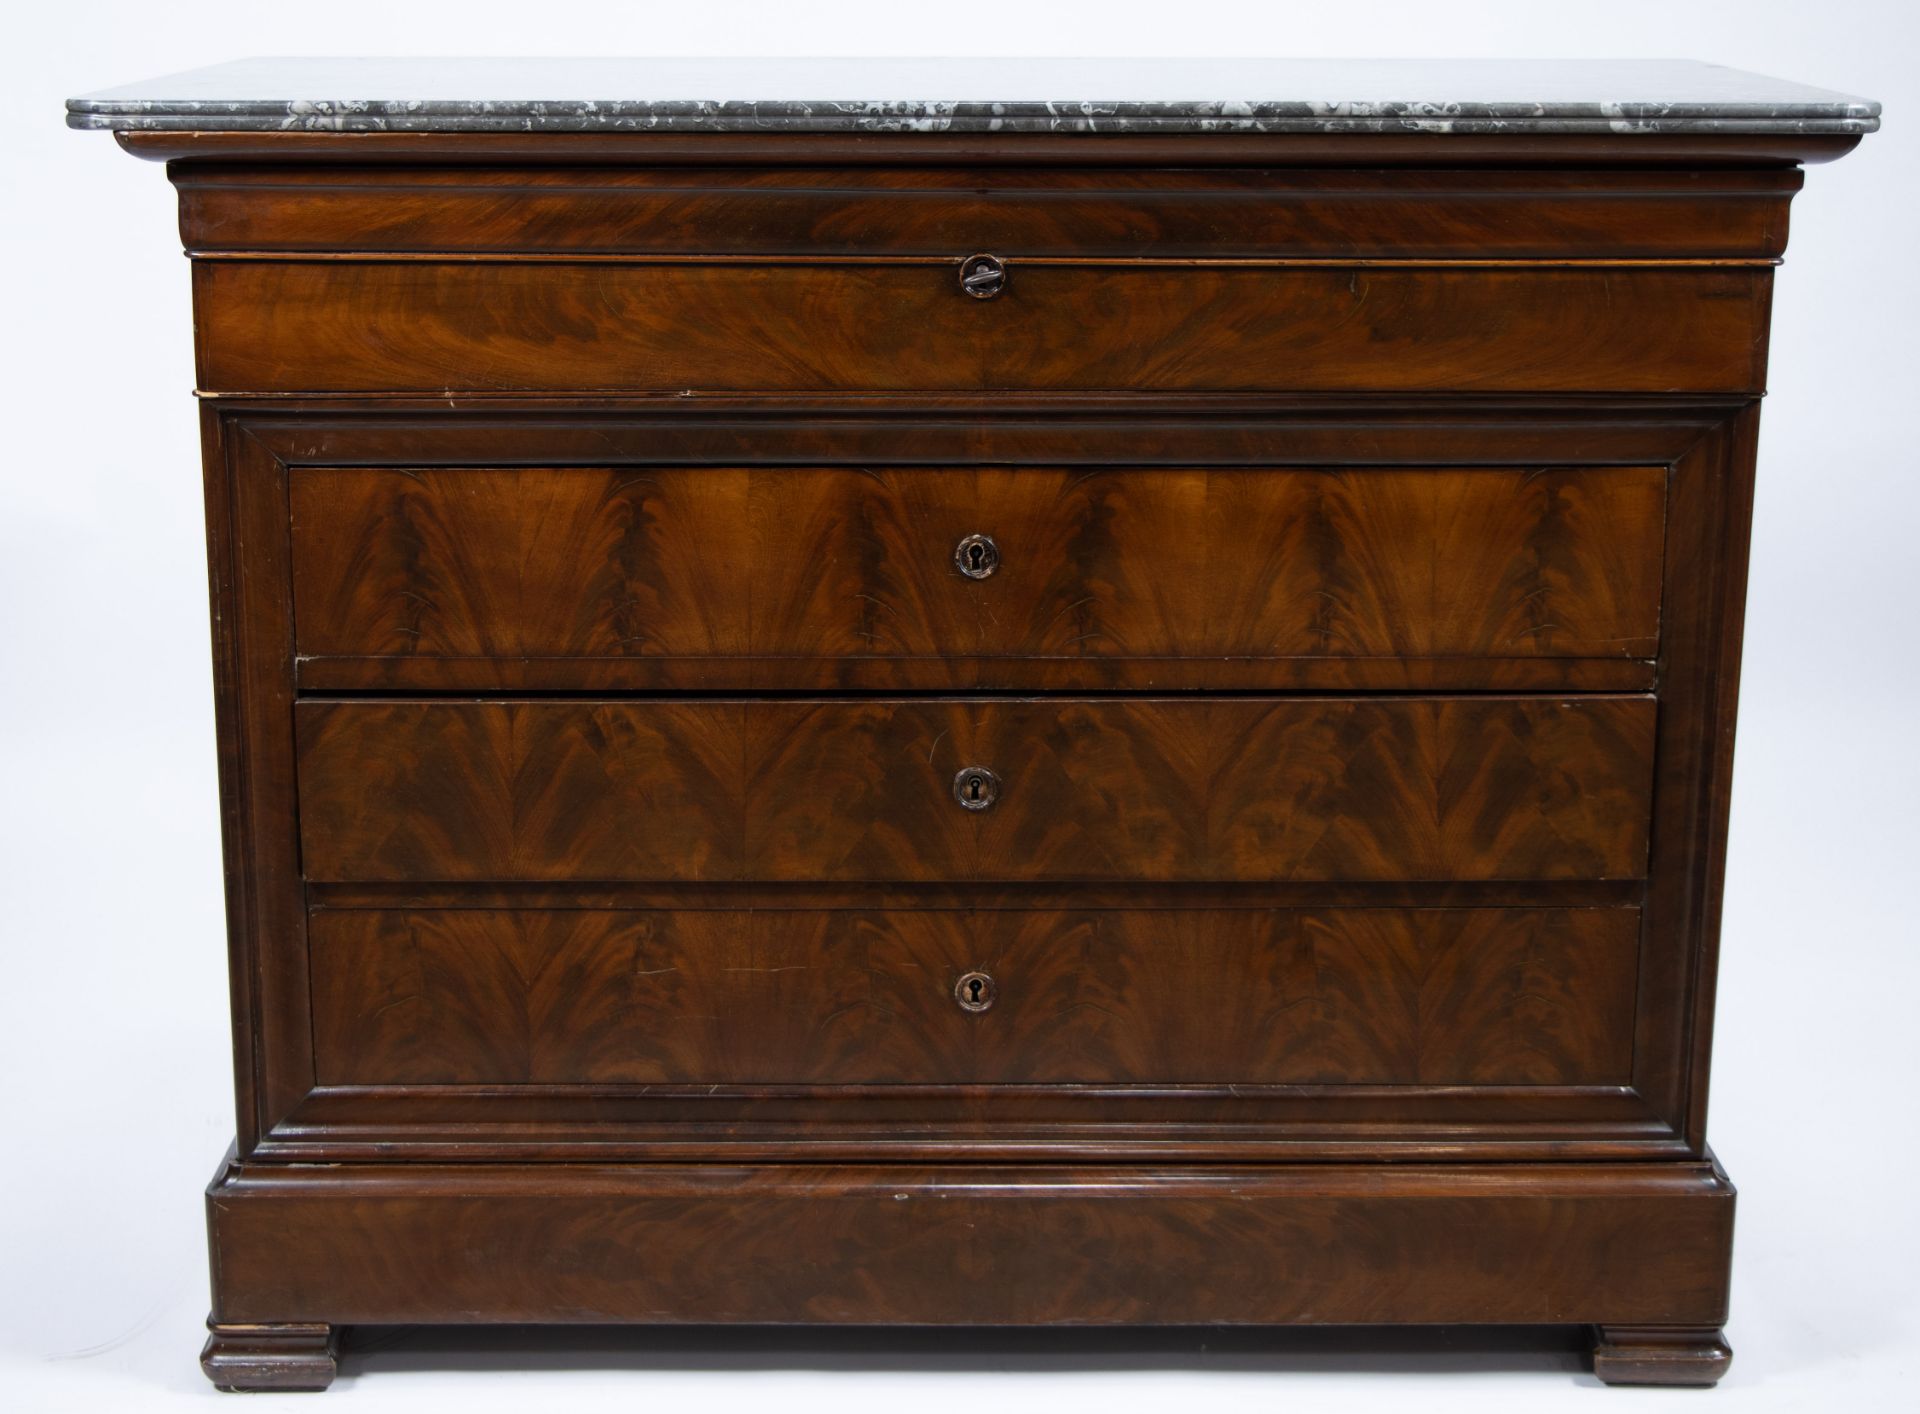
1109,213
551,324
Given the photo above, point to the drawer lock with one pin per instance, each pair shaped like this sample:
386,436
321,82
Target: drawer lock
975,991
983,276
976,787
976,556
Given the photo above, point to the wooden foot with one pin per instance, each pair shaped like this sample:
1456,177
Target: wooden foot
251,1359
1660,1355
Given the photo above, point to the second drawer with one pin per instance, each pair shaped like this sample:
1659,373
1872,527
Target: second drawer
1239,789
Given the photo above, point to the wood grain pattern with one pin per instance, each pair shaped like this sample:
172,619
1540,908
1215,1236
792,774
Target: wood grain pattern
1712,512
484,563
1057,211
1202,997
1205,1125
249,574
1019,1124
1385,789
1143,1125
1660,1355
743,673
967,1244
438,327
1315,1009
479,565
533,790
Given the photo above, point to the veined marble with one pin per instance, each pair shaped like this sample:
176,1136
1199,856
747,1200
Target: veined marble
973,95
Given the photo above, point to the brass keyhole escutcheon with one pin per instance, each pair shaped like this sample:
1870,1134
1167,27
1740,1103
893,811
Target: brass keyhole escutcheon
975,991
983,276
976,556
976,787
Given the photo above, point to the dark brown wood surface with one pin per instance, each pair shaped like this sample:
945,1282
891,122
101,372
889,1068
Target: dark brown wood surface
731,1125
1231,789
722,1124
1076,1245
270,445
242,1358
1660,1355
1220,997
479,565
638,1004
1597,155
943,211
392,325
961,672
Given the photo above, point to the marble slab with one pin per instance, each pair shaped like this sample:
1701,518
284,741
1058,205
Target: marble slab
973,95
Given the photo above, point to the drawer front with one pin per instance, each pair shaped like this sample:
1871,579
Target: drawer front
1252,996
1476,788
692,565
1185,212
437,328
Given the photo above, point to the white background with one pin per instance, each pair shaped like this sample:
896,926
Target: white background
113,1027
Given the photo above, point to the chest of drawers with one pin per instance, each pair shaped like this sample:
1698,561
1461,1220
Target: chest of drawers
976,712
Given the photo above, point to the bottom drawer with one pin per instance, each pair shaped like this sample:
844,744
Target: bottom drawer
1486,996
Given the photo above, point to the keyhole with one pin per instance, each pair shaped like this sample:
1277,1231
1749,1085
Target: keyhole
975,991
975,787
976,556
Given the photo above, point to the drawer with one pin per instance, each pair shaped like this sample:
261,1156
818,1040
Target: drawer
902,325
1487,996
743,577
1471,788
1184,212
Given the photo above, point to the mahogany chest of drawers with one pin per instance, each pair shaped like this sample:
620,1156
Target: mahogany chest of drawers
976,712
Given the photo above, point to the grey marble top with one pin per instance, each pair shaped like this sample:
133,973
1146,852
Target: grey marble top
974,95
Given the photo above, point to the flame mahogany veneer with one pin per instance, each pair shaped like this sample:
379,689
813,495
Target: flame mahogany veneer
1351,700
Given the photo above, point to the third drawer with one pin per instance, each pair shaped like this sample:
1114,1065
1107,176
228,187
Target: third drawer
1270,996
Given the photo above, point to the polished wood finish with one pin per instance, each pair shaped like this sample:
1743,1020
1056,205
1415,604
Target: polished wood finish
1660,1355
287,325
280,1356
715,563
657,673
1150,790
1131,1124
1112,212
593,671
1209,997
268,447
1595,155
974,1244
